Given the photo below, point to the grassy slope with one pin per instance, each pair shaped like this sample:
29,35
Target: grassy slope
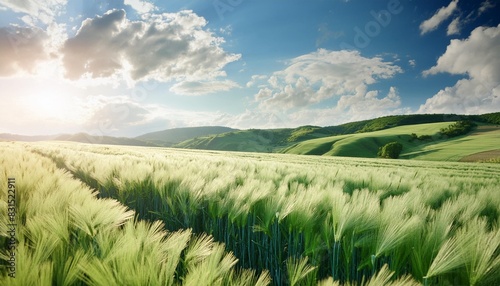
484,138
367,144
254,140
275,140
247,140
364,144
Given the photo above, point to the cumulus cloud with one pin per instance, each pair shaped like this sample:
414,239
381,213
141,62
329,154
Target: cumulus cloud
439,17
341,78
363,105
141,7
369,103
321,75
350,108
165,47
44,11
360,106
477,58
202,87
21,49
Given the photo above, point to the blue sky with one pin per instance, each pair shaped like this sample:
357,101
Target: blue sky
124,68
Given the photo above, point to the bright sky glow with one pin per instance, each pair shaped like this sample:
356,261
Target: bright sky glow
128,67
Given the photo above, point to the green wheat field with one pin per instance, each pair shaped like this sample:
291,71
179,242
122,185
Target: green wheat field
111,215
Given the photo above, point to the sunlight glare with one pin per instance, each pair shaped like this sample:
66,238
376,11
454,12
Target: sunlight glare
53,105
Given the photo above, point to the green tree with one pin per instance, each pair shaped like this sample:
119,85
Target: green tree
458,128
390,150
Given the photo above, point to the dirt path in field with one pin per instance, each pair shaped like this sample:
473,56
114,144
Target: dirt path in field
481,156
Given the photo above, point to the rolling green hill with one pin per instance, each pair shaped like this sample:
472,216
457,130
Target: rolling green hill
171,137
486,137
255,140
365,144
274,140
277,140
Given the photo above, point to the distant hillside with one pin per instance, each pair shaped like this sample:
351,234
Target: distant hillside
255,140
86,138
171,137
432,145
366,144
274,140
312,140
14,137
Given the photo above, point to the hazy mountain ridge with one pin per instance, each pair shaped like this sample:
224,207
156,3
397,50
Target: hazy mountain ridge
26,138
108,140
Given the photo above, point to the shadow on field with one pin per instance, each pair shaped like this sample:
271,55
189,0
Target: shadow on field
415,154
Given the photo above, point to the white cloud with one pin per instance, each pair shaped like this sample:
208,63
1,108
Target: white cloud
203,87
486,5
363,105
255,79
477,58
440,16
227,30
338,79
412,63
142,7
318,76
164,47
454,27
44,11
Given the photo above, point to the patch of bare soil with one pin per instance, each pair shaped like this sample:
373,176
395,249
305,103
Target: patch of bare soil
482,156
485,128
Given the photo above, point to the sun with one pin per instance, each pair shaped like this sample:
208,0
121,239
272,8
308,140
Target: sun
52,104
